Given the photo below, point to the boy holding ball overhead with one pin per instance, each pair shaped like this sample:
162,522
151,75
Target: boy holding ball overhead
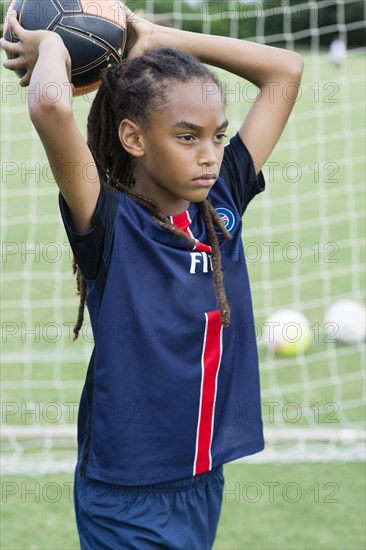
156,233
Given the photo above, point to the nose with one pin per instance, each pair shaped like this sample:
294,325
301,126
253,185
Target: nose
207,154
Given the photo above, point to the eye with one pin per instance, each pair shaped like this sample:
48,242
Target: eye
186,138
220,136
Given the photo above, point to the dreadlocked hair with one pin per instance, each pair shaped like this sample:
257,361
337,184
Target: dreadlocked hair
134,89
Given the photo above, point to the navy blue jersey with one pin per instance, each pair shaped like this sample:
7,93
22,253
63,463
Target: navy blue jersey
169,392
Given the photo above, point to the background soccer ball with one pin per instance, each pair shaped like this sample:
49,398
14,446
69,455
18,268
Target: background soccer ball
345,321
287,333
93,31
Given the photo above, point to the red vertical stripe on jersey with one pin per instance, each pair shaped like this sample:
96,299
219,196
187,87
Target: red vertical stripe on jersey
210,364
183,222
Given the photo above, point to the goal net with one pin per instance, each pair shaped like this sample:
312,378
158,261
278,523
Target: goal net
304,241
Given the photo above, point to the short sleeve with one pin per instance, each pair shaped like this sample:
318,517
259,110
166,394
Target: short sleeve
238,173
89,249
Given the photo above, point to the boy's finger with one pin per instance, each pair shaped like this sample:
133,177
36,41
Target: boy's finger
14,24
10,47
13,64
24,81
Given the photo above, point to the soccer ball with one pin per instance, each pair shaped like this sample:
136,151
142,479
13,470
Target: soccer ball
287,333
345,321
93,31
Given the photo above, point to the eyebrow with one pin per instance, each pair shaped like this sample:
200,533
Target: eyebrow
196,127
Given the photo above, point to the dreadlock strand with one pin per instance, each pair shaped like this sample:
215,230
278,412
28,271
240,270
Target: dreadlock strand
218,221
216,263
81,288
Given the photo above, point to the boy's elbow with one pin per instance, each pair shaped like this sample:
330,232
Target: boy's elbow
45,112
295,66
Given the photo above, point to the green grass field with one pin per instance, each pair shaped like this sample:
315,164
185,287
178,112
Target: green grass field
316,200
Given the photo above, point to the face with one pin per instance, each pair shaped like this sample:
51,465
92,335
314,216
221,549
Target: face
182,150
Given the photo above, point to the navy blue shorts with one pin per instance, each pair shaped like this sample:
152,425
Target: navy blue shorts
176,515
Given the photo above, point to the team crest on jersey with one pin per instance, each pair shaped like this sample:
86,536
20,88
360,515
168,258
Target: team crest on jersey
227,217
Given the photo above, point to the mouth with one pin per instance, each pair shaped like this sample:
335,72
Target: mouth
205,180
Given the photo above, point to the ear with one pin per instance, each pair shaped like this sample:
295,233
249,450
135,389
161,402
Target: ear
131,138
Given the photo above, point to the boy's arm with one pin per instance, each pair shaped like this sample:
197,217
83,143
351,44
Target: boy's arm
276,72
47,62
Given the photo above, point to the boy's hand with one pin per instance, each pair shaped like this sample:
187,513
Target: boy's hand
139,34
27,49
